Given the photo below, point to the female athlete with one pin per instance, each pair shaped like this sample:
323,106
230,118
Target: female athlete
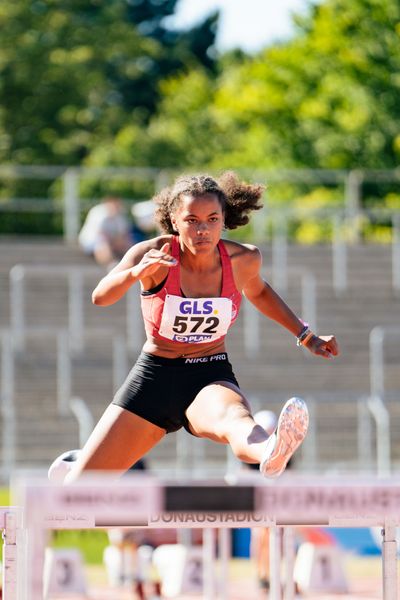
192,283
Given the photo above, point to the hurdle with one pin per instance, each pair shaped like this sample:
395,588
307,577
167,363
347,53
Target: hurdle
142,501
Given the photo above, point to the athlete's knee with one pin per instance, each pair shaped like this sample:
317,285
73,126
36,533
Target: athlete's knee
232,418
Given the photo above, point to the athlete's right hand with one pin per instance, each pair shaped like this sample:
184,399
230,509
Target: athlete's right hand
152,261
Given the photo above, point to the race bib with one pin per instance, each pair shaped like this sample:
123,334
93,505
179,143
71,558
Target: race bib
195,320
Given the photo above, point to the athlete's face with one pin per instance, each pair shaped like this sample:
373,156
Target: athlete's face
199,221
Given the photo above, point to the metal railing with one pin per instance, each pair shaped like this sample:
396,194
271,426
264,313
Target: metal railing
396,253
340,247
65,363
251,316
71,180
72,341
349,181
84,417
376,400
74,274
192,456
74,338
339,258
67,403
134,325
7,391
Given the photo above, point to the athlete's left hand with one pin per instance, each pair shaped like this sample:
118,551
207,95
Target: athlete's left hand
323,345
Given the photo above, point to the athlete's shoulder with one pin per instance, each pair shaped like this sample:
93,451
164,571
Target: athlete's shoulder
248,254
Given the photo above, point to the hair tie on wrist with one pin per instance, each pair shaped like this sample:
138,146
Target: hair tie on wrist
304,335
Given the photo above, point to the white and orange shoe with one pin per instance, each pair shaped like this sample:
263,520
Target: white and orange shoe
287,437
62,465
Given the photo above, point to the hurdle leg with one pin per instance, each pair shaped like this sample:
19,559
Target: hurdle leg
225,550
208,564
289,555
184,537
389,563
9,576
36,544
275,563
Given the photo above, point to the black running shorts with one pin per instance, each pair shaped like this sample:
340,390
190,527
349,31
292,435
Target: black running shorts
161,389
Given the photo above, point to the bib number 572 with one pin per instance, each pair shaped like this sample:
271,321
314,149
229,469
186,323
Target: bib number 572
191,324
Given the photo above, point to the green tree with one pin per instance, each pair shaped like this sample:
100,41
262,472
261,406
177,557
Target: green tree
73,73
350,115
327,98
181,51
181,134
55,95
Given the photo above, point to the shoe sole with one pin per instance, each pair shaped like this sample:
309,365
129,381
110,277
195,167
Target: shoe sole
289,434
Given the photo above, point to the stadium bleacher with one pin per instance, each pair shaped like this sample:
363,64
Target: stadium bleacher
279,370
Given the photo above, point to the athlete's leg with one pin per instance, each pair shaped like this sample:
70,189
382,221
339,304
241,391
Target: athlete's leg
119,440
220,412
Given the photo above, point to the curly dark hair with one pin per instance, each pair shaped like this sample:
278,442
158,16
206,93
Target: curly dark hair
237,198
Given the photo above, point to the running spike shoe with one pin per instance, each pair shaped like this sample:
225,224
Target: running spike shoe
63,464
287,437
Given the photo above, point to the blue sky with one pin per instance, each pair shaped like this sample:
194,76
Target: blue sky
248,24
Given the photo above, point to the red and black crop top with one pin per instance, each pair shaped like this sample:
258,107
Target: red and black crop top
169,315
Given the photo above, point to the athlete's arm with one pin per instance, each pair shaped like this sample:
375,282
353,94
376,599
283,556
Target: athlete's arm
270,304
264,298
140,263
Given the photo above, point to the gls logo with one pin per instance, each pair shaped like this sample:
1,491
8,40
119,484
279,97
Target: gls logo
196,307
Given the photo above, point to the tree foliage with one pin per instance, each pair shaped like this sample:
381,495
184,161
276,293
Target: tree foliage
109,83
328,98
74,72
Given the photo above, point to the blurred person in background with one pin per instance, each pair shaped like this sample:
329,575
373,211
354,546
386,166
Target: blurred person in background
192,283
144,221
107,232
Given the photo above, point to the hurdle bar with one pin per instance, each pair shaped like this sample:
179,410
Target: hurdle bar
141,501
